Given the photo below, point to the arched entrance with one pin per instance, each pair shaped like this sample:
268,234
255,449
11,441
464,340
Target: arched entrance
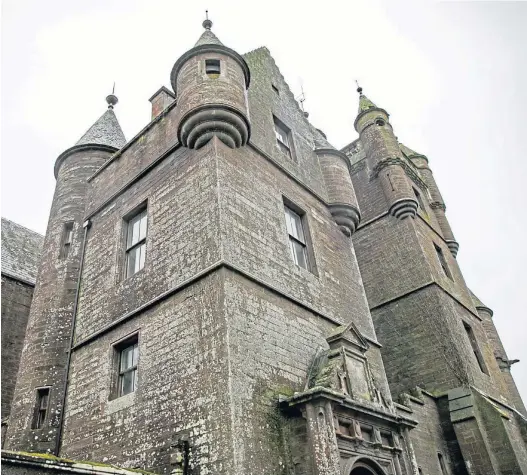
362,471
366,467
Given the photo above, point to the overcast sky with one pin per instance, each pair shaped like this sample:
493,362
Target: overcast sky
452,75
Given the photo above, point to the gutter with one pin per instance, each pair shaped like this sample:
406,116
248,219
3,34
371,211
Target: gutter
58,439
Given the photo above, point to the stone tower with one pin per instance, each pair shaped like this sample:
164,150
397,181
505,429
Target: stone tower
436,334
228,293
44,360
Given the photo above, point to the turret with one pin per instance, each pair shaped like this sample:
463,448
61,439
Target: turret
504,363
437,204
38,401
385,158
210,83
341,195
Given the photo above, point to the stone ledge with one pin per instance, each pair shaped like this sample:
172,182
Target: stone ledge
48,462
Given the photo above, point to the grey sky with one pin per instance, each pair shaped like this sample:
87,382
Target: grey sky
452,75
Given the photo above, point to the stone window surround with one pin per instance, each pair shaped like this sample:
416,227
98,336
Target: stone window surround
116,349
308,243
124,252
39,422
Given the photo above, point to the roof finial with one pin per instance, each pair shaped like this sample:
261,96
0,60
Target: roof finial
112,98
359,89
207,24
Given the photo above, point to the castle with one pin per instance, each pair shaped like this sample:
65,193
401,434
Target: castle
227,293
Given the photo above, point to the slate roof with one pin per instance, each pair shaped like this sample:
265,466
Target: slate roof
208,38
21,249
105,131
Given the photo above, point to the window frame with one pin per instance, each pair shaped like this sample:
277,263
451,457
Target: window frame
39,421
129,247
475,347
305,241
443,262
213,73
66,239
117,349
286,133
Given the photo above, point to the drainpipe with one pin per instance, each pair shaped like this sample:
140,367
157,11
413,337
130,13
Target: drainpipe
58,441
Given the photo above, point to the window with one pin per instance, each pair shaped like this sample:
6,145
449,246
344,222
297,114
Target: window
283,137
367,432
128,355
41,408
275,89
67,239
442,464
475,348
380,122
297,240
212,68
136,243
420,201
442,261
386,439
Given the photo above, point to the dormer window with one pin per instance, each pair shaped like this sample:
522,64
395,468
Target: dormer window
212,68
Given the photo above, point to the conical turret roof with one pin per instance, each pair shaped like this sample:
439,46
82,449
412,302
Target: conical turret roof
105,131
365,104
208,38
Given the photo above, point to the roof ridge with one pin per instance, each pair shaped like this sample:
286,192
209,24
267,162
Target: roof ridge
22,226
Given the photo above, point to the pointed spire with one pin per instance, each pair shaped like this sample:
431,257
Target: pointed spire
106,130
208,37
364,102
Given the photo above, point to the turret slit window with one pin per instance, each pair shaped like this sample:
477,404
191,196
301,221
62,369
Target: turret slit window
442,261
298,235
475,348
283,137
41,408
67,239
212,68
442,464
136,242
420,202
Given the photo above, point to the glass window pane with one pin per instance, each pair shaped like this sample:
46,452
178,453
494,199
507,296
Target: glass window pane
130,262
299,253
142,255
135,354
294,224
127,358
142,226
127,382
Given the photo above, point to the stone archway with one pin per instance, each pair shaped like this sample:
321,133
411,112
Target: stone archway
366,467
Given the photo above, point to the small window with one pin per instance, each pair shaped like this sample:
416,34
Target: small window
475,348
380,122
136,242
442,464
41,408
67,239
297,240
275,89
127,357
387,439
442,261
367,432
283,137
420,202
212,68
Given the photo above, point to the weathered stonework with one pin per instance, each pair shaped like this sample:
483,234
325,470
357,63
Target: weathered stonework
370,356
